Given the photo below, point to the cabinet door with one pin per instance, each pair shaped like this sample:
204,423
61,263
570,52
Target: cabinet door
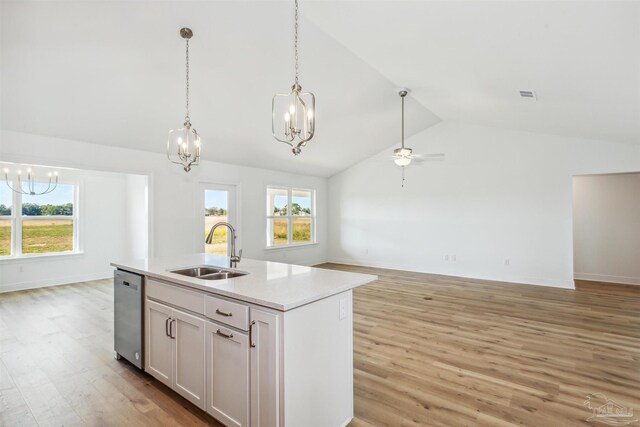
188,333
227,375
159,345
265,369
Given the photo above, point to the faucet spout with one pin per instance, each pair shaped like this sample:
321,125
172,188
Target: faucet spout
233,258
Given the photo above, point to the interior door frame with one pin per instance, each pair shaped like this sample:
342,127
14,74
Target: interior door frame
234,216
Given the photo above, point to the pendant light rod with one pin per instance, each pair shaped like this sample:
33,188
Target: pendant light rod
403,93
295,43
186,34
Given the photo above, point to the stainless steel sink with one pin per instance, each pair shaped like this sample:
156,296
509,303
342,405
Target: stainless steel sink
222,275
208,272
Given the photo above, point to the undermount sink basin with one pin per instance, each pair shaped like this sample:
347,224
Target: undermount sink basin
208,273
222,275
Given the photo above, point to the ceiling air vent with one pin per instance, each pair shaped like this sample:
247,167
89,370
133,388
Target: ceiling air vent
528,94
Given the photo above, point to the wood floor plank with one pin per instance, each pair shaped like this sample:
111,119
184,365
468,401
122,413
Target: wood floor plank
429,350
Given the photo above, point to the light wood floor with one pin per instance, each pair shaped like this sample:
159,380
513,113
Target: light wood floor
429,351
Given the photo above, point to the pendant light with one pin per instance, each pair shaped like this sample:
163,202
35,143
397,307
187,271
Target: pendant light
293,118
402,156
30,184
183,145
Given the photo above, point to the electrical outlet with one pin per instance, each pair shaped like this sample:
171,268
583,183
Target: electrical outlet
343,309
446,257
20,269
366,251
507,262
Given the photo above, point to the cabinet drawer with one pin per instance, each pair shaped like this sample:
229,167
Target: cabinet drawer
174,295
227,312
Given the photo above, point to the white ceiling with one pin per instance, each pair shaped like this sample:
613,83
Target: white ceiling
467,60
112,72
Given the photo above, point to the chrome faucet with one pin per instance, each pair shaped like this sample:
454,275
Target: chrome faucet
233,259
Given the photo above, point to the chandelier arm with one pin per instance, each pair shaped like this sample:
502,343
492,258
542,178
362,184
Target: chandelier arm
13,189
46,190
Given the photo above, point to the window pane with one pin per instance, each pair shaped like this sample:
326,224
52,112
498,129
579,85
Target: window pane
301,230
5,200
5,237
277,202
47,235
216,209
301,203
58,202
279,231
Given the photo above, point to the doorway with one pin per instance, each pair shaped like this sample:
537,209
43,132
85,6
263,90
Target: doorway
606,228
219,206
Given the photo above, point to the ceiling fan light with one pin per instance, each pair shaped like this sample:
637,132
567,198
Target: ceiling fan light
402,161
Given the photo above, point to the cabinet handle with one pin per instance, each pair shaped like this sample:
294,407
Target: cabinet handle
222,334
222,313
171,329
166,326
251,344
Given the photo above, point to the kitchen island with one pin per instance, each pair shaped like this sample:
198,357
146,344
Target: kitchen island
272,346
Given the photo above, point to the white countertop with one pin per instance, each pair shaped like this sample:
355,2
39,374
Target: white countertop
270,284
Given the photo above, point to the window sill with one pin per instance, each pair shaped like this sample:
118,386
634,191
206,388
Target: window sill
38,257
292,246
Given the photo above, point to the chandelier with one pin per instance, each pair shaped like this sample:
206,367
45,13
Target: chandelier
293,114
30,188
183,145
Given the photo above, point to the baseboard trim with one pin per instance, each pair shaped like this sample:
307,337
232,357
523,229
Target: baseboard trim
552,283
44,283
607,279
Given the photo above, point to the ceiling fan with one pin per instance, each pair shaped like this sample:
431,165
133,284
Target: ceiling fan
403,156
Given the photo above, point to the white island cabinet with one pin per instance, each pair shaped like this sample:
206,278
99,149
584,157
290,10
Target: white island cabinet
271,348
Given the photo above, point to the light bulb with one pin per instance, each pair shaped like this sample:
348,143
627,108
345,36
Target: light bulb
28,170
55,173
292,109
19,172
49,174
287,117
402,161
6,170
310,114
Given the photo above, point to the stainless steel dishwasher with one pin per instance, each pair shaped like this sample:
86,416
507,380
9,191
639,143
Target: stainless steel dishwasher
127,310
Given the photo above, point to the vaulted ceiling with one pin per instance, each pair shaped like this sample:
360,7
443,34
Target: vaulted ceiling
112,72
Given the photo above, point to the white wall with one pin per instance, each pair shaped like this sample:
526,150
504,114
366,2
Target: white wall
606,228
499,195
175,211
102,235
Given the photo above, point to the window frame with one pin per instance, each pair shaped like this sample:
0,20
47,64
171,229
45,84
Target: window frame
17,219
289,217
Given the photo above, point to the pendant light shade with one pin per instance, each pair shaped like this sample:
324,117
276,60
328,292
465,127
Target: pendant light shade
293,118
183,145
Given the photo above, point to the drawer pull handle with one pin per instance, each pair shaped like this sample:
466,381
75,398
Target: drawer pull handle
251,344
222,334
222,313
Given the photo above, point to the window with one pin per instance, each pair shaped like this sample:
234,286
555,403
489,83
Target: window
290,226
41,225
